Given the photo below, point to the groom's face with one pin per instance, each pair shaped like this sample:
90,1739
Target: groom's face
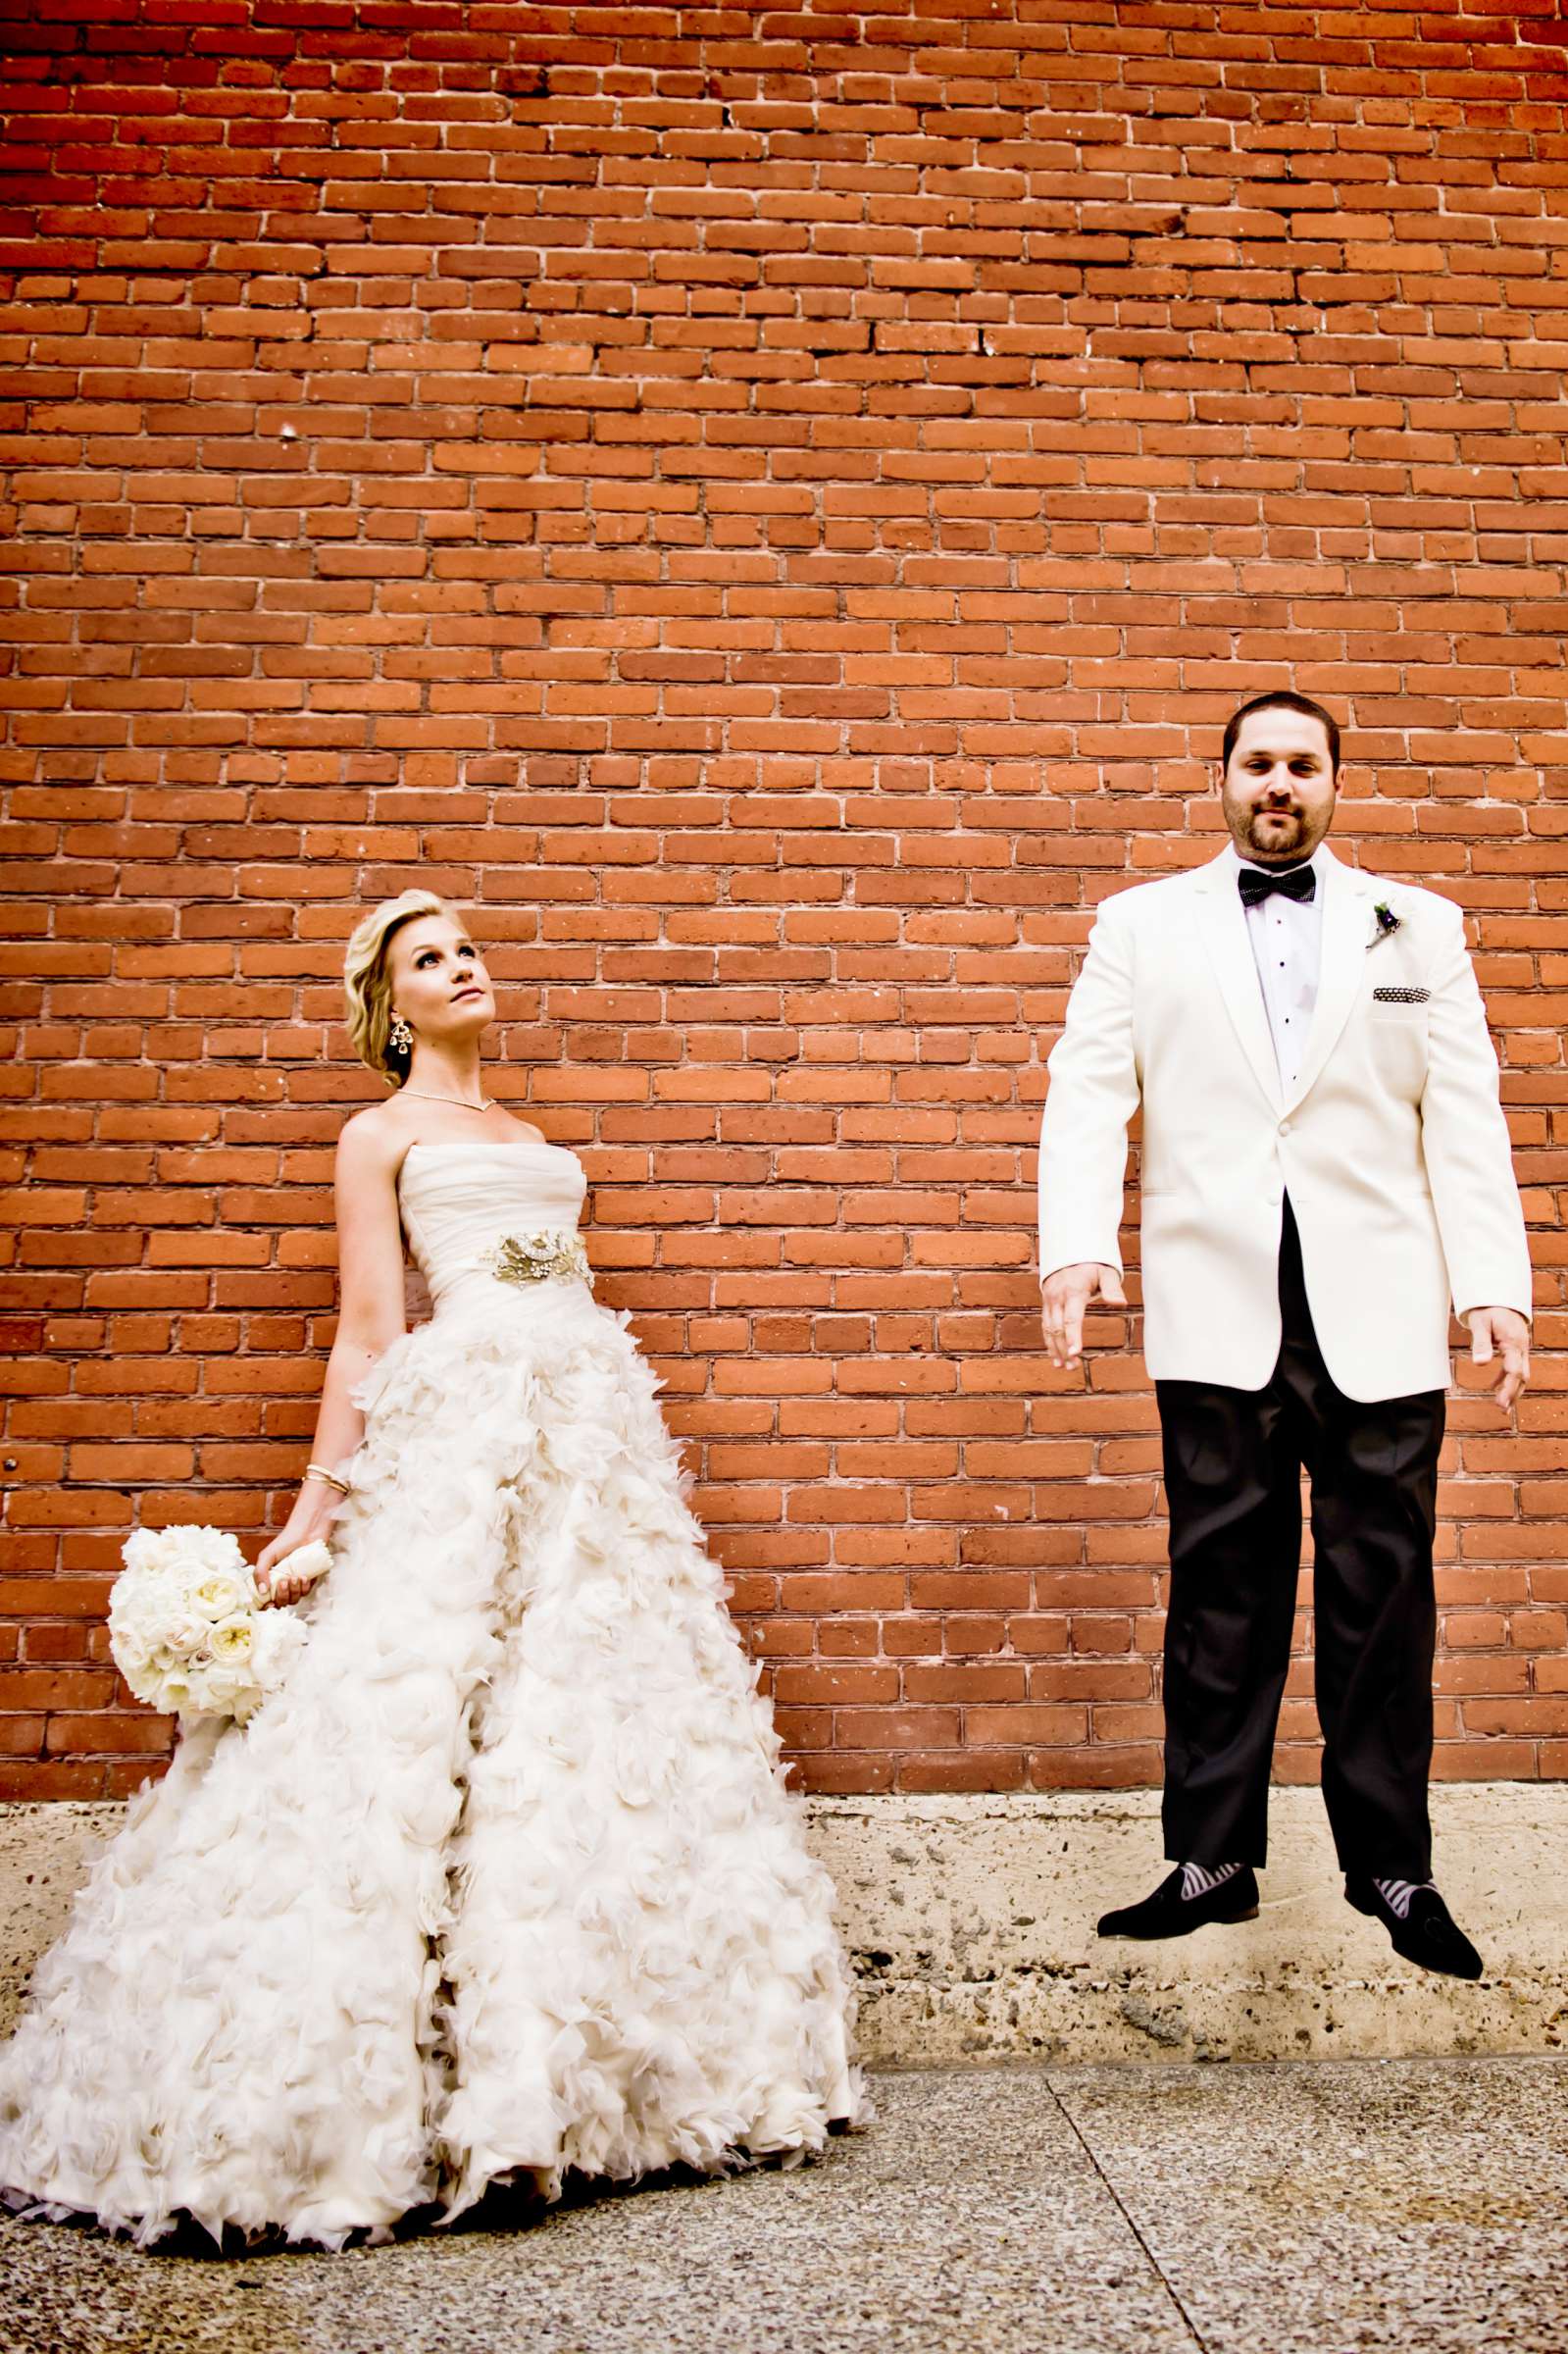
1279,789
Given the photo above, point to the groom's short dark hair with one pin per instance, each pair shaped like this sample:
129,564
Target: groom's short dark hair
1282,699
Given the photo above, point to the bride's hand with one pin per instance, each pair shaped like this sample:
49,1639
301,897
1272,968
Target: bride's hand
314,1508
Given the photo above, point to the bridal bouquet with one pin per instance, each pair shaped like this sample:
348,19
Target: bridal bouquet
186,1626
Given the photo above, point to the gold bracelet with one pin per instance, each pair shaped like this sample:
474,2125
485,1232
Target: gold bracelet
320,1471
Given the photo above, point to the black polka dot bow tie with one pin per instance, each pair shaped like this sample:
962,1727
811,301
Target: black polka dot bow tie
1296,883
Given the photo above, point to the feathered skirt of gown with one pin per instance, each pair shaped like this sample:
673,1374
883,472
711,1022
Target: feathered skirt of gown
504,1880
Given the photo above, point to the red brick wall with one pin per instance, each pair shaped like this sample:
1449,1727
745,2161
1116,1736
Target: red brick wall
771,510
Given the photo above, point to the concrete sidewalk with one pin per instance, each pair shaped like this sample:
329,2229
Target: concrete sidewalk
1297,2208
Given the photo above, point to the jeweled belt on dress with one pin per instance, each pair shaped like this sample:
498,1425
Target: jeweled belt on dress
536,1257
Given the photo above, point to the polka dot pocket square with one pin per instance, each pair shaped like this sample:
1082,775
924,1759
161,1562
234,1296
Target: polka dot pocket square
1401,996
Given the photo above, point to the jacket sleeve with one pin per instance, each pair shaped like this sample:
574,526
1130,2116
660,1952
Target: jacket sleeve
1465,1139
1092,1095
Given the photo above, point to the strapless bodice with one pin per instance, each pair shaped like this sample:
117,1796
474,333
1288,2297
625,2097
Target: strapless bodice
462,1204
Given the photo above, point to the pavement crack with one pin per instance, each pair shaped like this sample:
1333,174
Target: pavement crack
1128,2217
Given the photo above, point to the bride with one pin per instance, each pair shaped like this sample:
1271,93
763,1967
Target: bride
504,1880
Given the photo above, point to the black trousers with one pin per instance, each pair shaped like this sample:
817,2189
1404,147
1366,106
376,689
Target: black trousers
1233,1478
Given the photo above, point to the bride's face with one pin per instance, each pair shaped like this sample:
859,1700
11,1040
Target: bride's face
439,984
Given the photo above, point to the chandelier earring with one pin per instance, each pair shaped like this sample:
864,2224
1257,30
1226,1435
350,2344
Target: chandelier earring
399,1037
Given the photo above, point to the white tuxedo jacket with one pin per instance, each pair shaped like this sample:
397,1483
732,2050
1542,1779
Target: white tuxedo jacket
1391,1145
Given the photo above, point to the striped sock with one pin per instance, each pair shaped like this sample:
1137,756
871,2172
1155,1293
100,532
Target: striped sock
1198,1878
1396,1894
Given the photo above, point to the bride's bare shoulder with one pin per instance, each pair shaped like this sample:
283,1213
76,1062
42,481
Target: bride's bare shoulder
373,1138
523,1128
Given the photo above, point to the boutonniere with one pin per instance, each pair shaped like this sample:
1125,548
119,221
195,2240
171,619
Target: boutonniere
1386,924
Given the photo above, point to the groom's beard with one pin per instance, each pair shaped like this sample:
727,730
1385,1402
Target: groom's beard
1277,834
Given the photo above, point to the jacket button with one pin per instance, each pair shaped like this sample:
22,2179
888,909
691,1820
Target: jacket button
1285,1127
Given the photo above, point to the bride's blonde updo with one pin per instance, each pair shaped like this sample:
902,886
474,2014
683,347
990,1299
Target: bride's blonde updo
367,986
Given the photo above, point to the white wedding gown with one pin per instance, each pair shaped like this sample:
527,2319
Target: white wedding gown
505,1880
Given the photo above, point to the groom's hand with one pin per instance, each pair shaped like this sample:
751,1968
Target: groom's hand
1064,1296
1504,1333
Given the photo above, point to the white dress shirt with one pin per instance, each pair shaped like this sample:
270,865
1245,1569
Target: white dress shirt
1287,937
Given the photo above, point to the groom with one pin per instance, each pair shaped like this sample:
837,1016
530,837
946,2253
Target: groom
1325,1164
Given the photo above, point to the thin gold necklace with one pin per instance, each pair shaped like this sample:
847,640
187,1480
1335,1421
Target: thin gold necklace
484,1104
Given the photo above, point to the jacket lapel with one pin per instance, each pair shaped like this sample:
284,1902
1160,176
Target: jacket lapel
1222,927
1341,962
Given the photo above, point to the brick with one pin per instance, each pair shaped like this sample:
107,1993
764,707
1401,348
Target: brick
783,590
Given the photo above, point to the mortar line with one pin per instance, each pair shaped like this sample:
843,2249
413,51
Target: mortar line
1126,2214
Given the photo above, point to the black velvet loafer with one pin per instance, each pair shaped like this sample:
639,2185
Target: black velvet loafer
1429,1935
1170,1914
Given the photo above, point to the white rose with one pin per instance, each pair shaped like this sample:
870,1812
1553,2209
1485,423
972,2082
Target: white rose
207,1548
185,1633
231,1639
215,1690
220,1594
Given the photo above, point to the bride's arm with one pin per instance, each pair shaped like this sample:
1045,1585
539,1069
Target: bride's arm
369,1260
